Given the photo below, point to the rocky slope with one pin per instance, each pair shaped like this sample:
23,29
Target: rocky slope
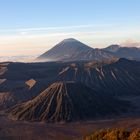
67,101
116,77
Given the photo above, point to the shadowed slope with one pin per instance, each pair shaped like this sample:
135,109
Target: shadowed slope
67,102
113,77
117,78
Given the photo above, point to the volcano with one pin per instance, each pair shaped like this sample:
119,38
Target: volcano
73,50
65,102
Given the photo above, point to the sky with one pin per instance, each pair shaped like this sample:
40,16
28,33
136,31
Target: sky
31,27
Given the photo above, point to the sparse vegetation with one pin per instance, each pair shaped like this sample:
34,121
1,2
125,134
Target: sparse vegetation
114,134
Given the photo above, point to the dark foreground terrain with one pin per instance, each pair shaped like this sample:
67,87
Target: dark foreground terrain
21,130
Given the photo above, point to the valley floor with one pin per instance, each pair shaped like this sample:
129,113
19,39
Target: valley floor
21,130
17,130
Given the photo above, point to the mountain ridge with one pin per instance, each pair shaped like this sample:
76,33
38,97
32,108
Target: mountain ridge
73,50
66,102
113,77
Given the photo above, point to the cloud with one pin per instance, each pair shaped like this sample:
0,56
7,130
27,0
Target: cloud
43,30
21,58
131,43
57,28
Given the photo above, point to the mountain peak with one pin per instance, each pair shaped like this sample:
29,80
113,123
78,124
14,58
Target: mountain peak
70,40
65,49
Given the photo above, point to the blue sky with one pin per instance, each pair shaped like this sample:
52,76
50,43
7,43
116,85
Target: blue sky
33,26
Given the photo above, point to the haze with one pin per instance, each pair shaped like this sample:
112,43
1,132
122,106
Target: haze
32,27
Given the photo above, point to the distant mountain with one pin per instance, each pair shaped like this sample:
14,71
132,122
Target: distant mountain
112,48
67,101
74,50
124,52
128,52
64,50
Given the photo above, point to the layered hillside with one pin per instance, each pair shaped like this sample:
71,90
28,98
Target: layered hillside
115,78
67,101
